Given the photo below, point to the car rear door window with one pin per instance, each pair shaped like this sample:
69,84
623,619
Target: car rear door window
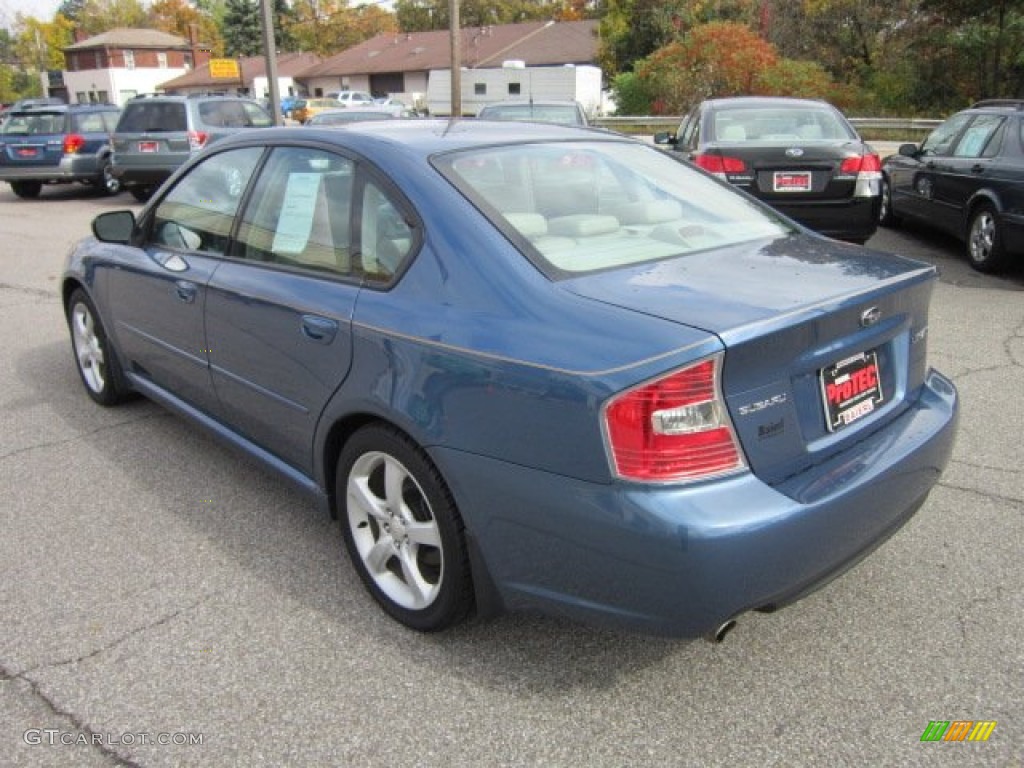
198,214
301,212
980,138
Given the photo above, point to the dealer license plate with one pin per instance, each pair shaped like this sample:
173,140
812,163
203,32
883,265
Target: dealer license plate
149,146
851,388
789,181
27,152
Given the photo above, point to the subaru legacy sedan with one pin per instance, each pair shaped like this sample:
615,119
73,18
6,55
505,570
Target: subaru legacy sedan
528,366
801,156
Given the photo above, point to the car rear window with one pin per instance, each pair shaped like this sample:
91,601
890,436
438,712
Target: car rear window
94,122
540,113
580,207
153,117
34,123
234,114
780,124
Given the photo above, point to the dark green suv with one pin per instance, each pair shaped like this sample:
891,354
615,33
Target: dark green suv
56,144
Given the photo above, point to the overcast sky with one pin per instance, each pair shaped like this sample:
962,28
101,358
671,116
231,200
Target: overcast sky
41,9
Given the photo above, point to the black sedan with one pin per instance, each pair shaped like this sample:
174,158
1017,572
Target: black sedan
967,179
800,156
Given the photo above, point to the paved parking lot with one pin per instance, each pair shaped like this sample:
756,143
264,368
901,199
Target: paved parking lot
166,603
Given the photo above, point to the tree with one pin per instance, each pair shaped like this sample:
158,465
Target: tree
425,15
241,28
176,16
98,16
717,59
39,45
328,26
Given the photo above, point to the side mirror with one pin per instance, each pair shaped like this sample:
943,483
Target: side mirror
909,150
114,227
664,137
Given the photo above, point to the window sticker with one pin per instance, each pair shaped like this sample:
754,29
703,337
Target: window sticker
295,221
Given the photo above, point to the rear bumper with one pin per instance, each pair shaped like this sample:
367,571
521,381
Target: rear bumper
70,168
150,173
855,219
683,560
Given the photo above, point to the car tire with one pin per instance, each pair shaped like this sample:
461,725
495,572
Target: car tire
28,190
141,193
402,530
95,359
886,217
108,184
985,250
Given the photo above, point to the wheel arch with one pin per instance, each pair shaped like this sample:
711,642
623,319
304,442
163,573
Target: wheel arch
487,598
979,198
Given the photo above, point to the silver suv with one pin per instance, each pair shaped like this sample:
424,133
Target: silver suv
157,134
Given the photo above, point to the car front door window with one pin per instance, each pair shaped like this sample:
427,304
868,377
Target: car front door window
198,214
941,139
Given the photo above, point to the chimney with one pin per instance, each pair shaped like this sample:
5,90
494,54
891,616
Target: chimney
200,52
80,35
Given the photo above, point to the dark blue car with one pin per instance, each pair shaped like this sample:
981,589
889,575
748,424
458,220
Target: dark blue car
528,366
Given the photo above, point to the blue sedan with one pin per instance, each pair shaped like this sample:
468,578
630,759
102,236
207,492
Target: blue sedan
528,366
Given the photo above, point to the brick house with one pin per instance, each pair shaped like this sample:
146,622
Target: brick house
122,63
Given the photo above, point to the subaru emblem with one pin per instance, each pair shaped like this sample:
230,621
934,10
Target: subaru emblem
870,316
794,152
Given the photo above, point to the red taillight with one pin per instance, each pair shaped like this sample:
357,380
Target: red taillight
197,140
861,164
72,143
674,428
719,164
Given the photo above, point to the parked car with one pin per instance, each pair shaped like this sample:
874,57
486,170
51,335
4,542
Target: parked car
800,156
352,98
288,104
561,112
347,115
966,179
304,109
57,144
528,366
157,133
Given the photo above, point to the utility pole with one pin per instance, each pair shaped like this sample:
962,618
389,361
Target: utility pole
453,15
270,58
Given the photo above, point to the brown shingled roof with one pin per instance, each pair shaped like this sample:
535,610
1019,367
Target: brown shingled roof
288,65
124,37
538,43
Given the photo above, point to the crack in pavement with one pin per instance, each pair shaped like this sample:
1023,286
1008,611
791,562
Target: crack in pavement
29,291
983,494
78,437
93,738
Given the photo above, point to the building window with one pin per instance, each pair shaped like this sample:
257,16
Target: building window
480,89
161,59
129,59
103,97
513,89
82,97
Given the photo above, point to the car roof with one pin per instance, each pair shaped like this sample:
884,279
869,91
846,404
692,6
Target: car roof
430,136
998,105
533,103
766,101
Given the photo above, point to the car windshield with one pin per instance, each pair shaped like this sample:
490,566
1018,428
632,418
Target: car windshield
779,124
580,207
34,123
564,114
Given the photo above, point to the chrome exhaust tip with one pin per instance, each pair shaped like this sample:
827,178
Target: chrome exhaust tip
719,634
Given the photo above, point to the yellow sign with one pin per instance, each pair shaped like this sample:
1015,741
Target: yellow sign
224,68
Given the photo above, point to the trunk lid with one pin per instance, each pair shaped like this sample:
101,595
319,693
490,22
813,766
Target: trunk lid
804,321
781,172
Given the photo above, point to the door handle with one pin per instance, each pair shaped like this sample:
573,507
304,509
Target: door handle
977,168
186,291
321,329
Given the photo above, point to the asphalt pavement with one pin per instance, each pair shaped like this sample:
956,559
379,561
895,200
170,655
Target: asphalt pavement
167,603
